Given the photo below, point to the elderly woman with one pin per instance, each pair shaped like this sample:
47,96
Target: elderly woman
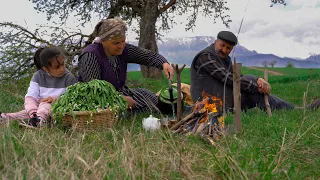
107,59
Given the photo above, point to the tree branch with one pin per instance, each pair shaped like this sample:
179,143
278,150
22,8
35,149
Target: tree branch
19,45
164,8
32,35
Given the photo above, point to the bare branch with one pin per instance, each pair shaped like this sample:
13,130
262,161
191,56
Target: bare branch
22,29
278,2
19,45
170,3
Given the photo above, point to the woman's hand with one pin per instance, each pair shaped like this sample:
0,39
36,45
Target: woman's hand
168,70
48,100
263,86
130,101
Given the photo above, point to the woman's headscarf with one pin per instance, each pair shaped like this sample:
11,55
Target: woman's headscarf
110,29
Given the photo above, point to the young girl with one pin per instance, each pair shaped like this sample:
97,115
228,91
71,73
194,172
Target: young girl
47,84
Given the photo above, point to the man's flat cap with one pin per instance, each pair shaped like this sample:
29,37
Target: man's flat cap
228,36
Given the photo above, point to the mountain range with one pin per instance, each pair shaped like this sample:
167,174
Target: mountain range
182,51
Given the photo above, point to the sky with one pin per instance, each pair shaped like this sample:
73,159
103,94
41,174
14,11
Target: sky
286,31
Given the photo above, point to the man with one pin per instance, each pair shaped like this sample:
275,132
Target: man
211,72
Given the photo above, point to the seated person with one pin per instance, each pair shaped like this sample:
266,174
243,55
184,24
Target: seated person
107,59
212,72
47,84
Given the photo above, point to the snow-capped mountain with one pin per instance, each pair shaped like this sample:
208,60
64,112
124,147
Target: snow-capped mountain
182,51
314,58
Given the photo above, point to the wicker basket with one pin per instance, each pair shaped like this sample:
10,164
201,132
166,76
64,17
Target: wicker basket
91,120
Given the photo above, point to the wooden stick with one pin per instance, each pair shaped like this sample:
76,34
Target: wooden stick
179,103
201,127
209,140
266,97
28,126
210,125
179,130
191,120
237,95
179,123
195,127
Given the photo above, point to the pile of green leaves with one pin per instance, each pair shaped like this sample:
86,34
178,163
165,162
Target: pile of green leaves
89,96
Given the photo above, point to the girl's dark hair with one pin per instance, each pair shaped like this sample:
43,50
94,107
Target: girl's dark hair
48,54
36,58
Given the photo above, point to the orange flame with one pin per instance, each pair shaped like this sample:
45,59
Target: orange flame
209,104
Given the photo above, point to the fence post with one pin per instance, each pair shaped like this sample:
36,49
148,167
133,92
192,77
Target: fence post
237,95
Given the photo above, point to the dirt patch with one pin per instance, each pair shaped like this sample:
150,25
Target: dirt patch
270,72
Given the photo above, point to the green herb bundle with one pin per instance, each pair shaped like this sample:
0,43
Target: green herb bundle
90,96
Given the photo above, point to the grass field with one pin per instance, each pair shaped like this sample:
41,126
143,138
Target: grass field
284,146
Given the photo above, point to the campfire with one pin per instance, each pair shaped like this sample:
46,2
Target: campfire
206,119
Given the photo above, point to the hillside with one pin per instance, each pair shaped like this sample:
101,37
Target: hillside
284,146
182,51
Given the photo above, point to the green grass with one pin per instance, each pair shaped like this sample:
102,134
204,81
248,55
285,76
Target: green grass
284,146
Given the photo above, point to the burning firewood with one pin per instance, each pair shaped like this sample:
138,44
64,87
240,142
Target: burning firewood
205,120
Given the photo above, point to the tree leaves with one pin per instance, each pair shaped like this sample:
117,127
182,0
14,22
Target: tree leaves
278,2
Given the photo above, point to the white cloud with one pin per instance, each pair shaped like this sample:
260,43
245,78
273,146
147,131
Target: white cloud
304,4
292,30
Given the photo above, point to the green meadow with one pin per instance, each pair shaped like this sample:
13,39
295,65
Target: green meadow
284,146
